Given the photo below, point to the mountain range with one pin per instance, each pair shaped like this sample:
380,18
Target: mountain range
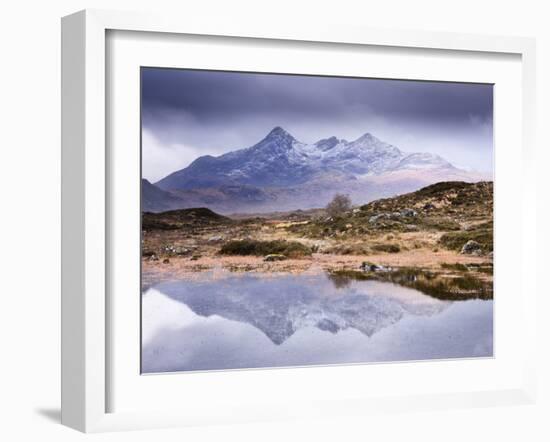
282,173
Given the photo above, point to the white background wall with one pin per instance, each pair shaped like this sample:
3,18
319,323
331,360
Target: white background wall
30,220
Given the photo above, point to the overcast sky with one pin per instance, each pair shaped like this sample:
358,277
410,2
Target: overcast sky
187,113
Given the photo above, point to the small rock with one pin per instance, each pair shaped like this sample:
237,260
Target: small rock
375,218
169,249
274,257
181,250
471,248
153,258
408,212
166,261
216,238
196,257
428,206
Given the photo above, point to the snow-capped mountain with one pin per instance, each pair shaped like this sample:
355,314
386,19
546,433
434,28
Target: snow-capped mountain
279,160
282,173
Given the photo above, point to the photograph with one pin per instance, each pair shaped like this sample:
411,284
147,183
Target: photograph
292,220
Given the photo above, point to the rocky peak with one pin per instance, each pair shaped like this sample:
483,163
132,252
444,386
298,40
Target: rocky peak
279,134
367,139
327,143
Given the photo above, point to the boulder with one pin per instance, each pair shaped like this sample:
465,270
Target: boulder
179,250
471,248
375,218
169,249
176,250
370,267
408,212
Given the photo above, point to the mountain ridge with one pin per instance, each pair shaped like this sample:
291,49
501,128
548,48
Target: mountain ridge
280,160
281,170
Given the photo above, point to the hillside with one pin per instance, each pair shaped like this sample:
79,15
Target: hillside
154,199
447,198
182,218
451,212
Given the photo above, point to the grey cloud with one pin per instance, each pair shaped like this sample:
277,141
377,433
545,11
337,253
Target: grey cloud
218,111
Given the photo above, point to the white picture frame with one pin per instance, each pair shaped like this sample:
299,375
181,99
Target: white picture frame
85,201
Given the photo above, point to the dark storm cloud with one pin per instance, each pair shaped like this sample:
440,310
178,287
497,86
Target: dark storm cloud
211,95
188,113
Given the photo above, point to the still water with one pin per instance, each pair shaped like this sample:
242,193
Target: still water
268,320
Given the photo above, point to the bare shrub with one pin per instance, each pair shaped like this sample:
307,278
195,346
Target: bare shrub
339,205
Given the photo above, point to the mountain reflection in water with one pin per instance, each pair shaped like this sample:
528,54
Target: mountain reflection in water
255,320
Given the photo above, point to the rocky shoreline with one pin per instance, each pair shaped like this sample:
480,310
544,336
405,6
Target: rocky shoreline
443,263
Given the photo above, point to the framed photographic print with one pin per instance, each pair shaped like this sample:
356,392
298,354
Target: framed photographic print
329,251
265,222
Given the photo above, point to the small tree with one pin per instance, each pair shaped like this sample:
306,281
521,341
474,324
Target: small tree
339,204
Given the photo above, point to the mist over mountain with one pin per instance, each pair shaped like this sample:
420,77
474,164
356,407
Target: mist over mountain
282,173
